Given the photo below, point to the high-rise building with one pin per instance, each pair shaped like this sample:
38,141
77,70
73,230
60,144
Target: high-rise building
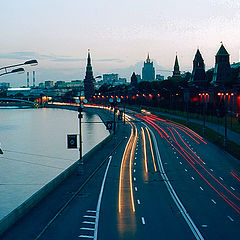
198,77
176,72
89,79
148,71
222,70
110,78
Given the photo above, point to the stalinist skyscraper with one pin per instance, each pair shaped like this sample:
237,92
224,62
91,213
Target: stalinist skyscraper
148,71
89,79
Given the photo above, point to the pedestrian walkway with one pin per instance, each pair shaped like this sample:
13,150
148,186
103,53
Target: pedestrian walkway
231,135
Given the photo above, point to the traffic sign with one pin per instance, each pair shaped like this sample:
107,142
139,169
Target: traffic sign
72,141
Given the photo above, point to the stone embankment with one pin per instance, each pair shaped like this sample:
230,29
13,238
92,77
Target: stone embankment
26,206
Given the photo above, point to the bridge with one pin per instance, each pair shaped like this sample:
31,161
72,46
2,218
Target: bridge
16,102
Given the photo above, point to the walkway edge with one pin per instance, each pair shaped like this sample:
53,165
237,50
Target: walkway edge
27,205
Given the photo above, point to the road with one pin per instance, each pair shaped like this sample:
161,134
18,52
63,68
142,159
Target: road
163,181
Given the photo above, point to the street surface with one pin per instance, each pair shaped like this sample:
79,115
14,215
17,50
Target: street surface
163,181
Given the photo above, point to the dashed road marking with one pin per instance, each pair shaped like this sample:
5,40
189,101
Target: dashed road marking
85,236
204,225
192,178
87,222
221,178
135,189
143,221
185,170
233,188
180,162
211,169
134,179
230,218
201,188
91,211
138,201
213,201
134,170
135,164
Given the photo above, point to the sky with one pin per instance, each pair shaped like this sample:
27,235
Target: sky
119,34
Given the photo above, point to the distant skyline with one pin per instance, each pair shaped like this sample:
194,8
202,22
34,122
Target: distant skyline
120,34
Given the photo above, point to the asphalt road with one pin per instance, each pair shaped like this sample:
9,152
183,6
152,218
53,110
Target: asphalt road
163,181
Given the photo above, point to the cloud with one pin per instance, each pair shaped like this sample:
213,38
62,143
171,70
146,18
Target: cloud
24,55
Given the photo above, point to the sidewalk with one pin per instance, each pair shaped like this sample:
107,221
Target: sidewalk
233,136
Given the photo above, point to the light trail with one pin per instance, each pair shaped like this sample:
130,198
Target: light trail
190,159
144,150
121,170
150,142
130,167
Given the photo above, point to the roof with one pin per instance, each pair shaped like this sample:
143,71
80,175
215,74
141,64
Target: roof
222,51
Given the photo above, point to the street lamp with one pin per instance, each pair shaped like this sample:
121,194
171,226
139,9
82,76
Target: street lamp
18,70
113,102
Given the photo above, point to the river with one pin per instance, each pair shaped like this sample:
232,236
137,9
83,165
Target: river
34,146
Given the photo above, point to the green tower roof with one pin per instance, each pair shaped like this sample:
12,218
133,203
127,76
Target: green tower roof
222,51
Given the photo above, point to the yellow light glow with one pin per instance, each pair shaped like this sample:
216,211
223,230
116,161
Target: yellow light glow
130,168
121,170
150,142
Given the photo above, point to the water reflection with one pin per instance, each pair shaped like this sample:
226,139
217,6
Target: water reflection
34,145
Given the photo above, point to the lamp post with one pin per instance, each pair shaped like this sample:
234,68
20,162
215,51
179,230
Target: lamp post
18,70
80,116
113,102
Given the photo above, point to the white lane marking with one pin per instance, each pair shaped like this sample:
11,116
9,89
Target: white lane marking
173,194
213,201
177,157
221,178
87,216
230,218
85,236
233,188
143,221
86,222
138,201
204,225
180,162
201,188
174,152
100,199
135,157
185,170
211,169
192,178
135,164
135,189
134,170
88,229
134,179
92,211
136,153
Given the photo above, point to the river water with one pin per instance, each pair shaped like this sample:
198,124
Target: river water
34,146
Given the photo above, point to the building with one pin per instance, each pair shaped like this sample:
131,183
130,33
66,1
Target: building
198,77
4,85
89,80
134,81
176,71
159,77
110,78
139,77
222,70
49,84
148,71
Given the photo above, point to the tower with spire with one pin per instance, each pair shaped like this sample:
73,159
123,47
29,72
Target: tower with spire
89,79
198,77
176,72
222,70
148,71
